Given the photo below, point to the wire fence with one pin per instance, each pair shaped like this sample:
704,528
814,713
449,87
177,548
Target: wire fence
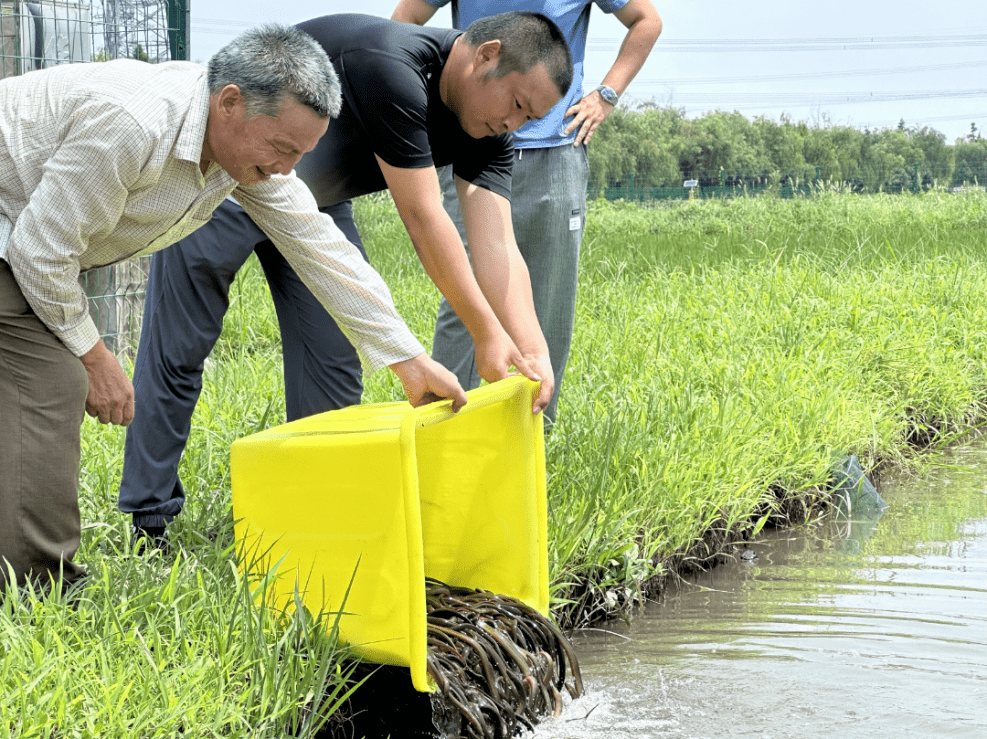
43,33
723,185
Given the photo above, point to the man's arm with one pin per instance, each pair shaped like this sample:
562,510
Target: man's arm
82,192
643,28
503,276
348,287
413,11
489,299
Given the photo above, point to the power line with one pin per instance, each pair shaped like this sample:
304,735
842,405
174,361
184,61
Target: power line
223,22
847,43
834,40
227,27
842,74
972,117
828,98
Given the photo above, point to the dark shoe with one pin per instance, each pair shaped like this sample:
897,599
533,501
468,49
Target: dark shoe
146,539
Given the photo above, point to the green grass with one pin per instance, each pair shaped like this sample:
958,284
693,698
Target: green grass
164,648
727,355
729,351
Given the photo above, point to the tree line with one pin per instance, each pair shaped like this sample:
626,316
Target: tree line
652,146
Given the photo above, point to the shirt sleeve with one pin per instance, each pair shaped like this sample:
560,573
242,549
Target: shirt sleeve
610,6
487,162
352,291
82,192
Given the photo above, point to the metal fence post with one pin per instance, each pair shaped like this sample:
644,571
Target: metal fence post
178,23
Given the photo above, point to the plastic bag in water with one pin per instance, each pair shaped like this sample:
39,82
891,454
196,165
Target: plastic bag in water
855,495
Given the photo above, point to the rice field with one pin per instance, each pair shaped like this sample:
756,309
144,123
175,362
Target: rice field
727,355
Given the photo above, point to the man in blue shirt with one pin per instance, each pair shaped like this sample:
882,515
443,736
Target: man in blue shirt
551,170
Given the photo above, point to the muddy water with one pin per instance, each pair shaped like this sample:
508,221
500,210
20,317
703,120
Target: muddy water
844,631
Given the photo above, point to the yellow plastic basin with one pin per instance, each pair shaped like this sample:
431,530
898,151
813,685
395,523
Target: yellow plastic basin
386,495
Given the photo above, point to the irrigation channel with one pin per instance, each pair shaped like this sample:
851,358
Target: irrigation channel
871,628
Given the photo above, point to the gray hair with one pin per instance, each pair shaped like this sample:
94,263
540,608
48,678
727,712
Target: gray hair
272,63
526,39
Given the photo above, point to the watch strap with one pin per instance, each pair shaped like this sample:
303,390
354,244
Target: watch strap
608,94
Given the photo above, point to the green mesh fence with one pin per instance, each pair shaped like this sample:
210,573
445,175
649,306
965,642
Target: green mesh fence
968,173
43,33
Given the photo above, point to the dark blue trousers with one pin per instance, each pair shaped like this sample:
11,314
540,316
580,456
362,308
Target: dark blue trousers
187,297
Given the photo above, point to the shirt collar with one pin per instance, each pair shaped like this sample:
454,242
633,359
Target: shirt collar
188,146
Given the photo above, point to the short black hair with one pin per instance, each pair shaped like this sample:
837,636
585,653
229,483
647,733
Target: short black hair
526,39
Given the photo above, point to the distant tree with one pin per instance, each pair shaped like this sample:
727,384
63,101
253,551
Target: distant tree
658,151
612,153
938,160
890,161
717,140
971,162
643,144
881,165
848,146
819,150
139,54
658,146
781,146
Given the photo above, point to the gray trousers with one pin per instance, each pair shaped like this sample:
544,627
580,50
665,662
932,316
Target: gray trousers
548,208
43,389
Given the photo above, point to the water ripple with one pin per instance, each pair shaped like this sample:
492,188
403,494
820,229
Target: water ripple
859,631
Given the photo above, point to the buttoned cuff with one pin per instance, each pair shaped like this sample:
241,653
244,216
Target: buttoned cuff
80,339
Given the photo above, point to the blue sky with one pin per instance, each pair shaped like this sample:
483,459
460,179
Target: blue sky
864,63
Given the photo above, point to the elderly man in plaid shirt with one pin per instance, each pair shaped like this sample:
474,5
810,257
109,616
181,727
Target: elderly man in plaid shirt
103,162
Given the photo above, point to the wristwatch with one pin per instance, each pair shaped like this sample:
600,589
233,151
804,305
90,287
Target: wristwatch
608,94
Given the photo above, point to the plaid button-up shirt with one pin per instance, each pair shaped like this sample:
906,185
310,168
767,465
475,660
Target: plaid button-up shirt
99,163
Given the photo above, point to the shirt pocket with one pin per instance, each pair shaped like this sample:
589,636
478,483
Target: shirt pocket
174,234
195,219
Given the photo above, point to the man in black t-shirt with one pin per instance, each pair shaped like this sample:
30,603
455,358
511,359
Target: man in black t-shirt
393,109
413,98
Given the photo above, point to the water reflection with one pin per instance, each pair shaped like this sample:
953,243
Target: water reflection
869,628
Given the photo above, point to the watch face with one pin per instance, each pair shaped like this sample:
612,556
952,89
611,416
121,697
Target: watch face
607,94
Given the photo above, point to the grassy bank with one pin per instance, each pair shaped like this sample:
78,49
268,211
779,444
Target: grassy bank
731,352
727,354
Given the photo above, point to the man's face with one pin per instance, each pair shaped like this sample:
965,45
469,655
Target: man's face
252,150
489,105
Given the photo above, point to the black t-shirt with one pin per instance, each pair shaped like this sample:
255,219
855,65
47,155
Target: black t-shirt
389,73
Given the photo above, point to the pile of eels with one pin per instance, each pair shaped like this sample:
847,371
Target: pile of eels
499,664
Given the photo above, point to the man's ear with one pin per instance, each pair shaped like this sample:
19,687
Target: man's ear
487,55
228,99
